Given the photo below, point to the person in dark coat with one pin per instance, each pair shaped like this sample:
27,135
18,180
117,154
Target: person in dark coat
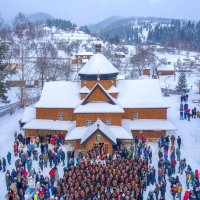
160,154
62,153
167,139
181,115
179,142
7,178
188,114
1,165
4,164
185,106
163,189
9,158
152,176
156,191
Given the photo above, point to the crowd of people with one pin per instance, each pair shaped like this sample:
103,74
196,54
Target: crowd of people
170,160
185,112
124,174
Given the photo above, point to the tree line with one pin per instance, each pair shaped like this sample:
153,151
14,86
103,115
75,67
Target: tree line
180,34
60,24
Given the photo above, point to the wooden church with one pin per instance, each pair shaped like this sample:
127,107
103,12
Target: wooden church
99,109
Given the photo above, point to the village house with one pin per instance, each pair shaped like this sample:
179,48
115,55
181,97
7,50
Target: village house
82,57
165,70
100,110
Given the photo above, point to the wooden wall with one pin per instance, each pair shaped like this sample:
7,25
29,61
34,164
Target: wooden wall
33,132
146,71
92,140
149,133
89,144
83,95
91,83
150,113
98,95
52,113
165,72
115,118
113,95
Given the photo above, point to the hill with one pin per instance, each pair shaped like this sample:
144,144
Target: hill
39,17
103,24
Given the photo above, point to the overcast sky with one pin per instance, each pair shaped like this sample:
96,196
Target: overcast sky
92,11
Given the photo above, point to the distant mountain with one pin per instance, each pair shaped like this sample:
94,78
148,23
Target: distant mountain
132,30
103,24
136,22
39,17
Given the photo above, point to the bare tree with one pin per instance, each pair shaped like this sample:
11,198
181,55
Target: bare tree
22,53
142,59
49,66
46,52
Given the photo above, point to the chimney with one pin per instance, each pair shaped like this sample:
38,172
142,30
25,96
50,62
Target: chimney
97,48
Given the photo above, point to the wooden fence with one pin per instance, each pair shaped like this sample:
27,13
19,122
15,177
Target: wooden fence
11,108
170,91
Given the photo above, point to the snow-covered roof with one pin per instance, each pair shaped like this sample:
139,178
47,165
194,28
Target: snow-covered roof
120,53
112,132
84,60
145,93
76,133
59,94
28,115
100,126
98,64
86,53
112,89
84,90
40,124
121,133
99,107
148,124
165,68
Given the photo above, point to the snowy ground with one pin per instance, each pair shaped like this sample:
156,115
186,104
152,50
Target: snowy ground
14,93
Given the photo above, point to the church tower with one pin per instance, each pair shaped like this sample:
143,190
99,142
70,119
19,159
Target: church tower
97,70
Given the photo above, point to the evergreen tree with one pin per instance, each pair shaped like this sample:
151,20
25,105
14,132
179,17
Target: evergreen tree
182,83
3,74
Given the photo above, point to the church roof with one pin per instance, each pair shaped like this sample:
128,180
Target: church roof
112,132
99,125
98,64
28,115
84,90
112,89
149,124
144,93
59,94
57,125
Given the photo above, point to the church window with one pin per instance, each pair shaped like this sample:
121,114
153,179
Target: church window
108,121
88,122
60,116
135,115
